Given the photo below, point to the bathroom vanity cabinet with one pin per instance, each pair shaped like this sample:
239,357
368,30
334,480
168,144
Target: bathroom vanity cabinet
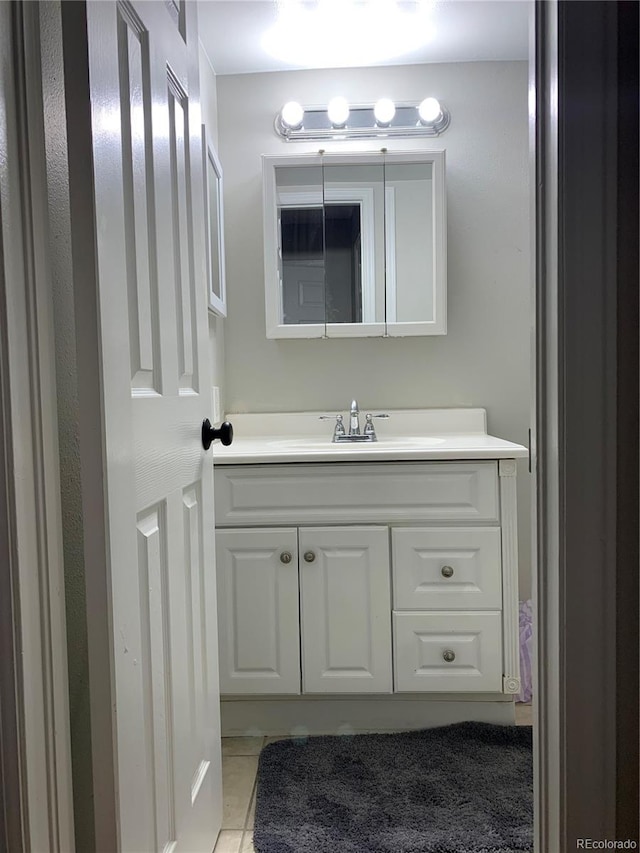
355,578
366,586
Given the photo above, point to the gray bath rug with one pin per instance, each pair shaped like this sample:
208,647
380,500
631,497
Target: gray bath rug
465,788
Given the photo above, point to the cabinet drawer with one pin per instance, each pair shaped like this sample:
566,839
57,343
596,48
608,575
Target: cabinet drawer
425,642
339,493
446,568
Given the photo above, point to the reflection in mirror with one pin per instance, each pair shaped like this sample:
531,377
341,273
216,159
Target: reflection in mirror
409,237
301,237
354,245
302,265
343,249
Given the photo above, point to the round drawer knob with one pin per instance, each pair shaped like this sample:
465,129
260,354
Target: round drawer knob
449,656
447,571
309,556
286,557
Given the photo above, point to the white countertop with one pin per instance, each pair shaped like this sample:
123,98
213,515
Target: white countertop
411,434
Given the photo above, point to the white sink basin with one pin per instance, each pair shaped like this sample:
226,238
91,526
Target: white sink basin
300,443
325,444
411,441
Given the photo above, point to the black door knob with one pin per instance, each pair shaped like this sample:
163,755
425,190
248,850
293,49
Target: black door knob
209,434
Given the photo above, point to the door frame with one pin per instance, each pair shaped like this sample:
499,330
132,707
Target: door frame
585,437
35,752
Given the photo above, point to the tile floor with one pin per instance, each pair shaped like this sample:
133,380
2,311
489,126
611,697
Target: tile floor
239,769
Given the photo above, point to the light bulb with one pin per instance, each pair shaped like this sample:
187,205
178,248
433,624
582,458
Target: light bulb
429,110
292,115
384,111
338,111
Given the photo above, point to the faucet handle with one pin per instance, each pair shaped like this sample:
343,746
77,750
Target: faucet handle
369,429
339,428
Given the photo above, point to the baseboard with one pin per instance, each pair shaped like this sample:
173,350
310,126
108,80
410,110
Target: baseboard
345,715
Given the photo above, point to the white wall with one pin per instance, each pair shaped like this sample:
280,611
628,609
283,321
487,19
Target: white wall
209,107
484,359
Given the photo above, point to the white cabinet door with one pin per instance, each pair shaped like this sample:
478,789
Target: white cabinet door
346,609
258,611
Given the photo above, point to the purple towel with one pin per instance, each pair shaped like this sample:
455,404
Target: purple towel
526,651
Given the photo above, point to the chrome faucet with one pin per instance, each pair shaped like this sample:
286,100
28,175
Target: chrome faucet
354,419
340,435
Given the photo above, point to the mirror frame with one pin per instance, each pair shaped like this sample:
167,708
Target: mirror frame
217,304
275,328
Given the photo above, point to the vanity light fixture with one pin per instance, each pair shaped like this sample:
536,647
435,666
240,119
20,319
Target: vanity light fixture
292,115
384,112
429,111
341,120
338,111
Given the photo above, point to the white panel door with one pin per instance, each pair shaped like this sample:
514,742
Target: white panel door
259,625
154,374
303,292
345,609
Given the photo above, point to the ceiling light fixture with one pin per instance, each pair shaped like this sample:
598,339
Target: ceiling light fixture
340,120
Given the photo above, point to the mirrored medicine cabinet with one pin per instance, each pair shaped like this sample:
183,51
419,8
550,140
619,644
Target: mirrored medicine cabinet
355,244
